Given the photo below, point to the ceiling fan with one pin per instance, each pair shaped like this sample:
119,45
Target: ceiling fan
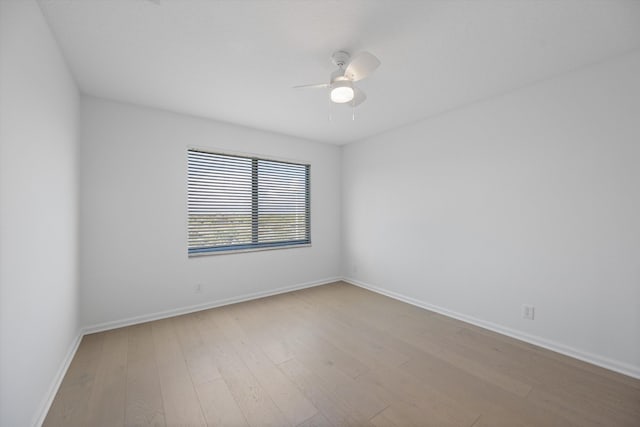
342,89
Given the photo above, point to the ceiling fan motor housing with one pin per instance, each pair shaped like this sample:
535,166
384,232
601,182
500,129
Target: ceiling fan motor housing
340,58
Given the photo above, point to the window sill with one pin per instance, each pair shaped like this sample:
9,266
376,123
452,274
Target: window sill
245,250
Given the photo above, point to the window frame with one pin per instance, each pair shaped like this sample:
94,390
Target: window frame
255,213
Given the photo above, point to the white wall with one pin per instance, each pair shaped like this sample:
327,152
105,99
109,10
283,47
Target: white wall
529,198
38,216
134,214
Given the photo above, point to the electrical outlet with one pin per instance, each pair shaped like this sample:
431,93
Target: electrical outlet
528,312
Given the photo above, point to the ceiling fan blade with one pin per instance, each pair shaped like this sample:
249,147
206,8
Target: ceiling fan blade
358,97
314,86
361,66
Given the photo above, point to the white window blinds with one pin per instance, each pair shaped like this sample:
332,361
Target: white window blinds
237,203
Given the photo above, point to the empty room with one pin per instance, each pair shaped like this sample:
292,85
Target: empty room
319,213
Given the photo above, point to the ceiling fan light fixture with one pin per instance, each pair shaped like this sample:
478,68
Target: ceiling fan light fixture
341,83
342,92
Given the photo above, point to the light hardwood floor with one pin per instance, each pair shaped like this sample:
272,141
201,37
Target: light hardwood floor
335,355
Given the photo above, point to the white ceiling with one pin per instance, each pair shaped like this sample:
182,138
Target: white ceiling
236,61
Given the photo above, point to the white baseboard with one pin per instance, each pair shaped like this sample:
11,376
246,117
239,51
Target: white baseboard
57,381
199,307
594,359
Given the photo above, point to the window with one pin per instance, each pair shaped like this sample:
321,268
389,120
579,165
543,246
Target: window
239,203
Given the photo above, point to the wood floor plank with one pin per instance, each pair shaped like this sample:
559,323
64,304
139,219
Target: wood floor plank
381,420
291,402
480,396
70,406
330,364
359,399
106,405
179,397
318,420
334,355
196,352
587,409
263,332
403,414
218,404
296,346
216,401
370,352
401,389
307,337
254,401
143,396
279,328
434,345
330,405
417,332
359,319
